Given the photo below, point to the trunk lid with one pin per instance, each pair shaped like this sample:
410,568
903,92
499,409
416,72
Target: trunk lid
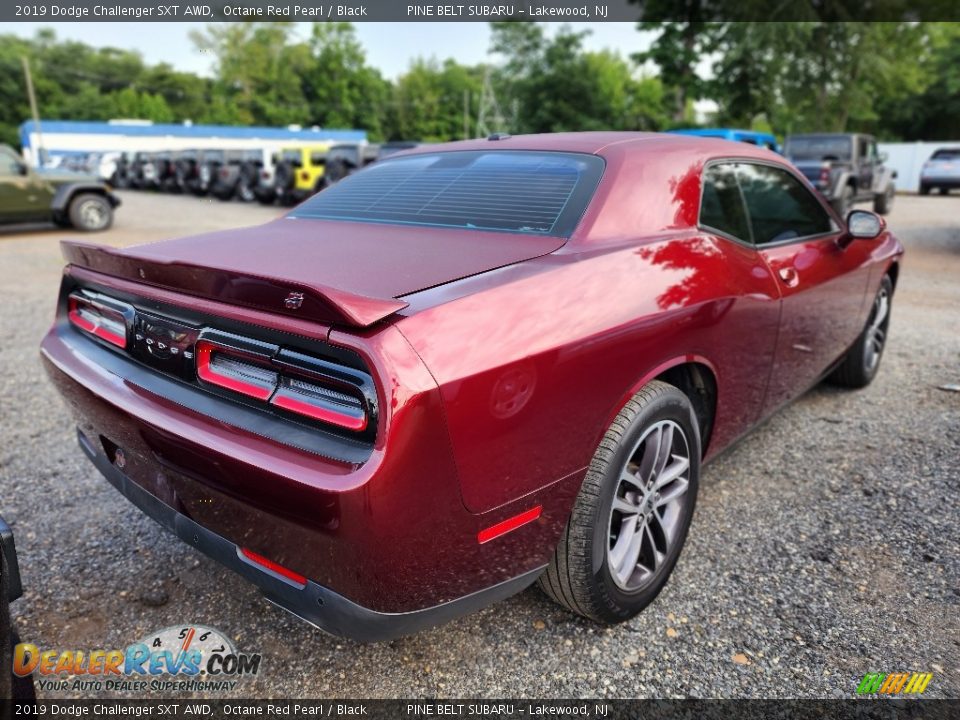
332,272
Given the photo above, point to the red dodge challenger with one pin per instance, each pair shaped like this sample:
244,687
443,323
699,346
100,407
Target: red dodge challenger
467,368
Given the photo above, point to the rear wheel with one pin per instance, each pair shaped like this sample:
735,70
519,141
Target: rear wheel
633,512
883,202
862,361
90,213
944,191
924,189
844,202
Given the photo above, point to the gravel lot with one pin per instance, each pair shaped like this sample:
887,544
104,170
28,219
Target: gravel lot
824,546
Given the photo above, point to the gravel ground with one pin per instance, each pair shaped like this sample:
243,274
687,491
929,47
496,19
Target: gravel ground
824,546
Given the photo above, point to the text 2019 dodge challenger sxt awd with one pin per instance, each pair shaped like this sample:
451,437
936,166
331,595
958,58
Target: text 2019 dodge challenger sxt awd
468,367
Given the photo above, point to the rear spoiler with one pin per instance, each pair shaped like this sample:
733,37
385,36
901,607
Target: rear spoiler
319,303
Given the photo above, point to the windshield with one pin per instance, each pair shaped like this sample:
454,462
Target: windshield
819,148
537,193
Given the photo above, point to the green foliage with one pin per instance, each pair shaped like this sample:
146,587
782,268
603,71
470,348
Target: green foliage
558,86
897,80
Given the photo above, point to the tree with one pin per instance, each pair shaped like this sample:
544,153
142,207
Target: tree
427,101
259,69
340,88
559,86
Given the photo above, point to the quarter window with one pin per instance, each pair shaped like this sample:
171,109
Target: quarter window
722,205
781,208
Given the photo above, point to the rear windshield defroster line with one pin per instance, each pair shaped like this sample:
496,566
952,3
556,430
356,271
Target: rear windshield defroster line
534,193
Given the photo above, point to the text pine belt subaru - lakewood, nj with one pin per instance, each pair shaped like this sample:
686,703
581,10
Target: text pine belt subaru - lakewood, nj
468,367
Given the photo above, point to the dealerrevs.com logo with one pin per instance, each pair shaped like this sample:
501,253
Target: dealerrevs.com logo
900,683
186,658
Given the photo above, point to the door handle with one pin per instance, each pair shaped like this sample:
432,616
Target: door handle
790,276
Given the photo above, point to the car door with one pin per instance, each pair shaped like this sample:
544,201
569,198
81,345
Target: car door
823,286
15,191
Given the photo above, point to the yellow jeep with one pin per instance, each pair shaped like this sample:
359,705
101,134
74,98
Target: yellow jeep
299,171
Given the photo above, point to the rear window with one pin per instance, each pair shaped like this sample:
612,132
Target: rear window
820,148
946,154
536,193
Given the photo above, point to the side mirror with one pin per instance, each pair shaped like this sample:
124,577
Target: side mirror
862,225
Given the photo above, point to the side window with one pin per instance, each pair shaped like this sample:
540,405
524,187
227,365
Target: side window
318,158
780,207
864,151
722,206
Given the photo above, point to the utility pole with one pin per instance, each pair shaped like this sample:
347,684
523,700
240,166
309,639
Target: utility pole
41,151
490,117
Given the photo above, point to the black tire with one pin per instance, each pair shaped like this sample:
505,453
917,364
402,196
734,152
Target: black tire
944,190
844,202
90,212
858,368
883,203
579,575
924,189
61,220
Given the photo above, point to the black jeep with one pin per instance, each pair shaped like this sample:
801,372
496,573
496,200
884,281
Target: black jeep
845,168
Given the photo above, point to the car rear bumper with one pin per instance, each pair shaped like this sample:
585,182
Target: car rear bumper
317,605
941,182
386,539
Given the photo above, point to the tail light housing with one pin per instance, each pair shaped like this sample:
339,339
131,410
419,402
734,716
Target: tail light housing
288,380
824,178
101,317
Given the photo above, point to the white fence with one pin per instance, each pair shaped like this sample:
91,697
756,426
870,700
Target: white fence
908,158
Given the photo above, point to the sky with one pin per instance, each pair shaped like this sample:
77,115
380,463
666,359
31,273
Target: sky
390,46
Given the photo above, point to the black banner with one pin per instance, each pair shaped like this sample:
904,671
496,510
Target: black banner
476,10
489,709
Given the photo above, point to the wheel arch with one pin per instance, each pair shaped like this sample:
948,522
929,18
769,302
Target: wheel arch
894,272
695,376
66,192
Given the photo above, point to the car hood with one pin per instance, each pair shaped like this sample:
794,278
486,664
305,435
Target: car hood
65,176
350,273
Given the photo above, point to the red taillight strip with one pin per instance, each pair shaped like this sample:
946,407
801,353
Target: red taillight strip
91,327
502,528
207,373
274,567
286,401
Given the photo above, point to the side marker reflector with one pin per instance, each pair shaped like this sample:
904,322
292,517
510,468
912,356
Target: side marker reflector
274,567
502,528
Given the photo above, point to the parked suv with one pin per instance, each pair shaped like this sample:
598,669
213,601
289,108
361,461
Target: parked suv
941,171
239,174
300,172
68,199
846,169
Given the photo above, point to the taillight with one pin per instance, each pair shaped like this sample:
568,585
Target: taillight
320,403
223,367
825,175
286,379
98,319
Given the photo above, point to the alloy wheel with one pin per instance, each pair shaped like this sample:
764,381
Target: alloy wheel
649,506
876,330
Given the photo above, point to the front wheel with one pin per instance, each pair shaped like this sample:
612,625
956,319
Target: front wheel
90,213
633,512
862,361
